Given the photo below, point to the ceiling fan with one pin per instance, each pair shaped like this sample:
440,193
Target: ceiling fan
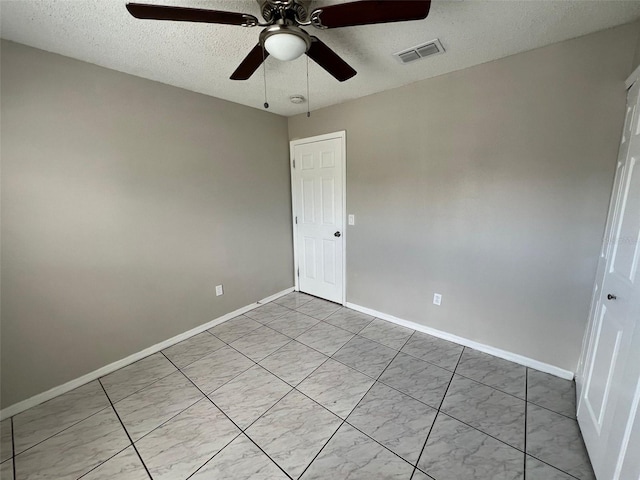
282,36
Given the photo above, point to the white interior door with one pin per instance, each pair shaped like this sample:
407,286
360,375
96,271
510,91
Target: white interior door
609,386
317,177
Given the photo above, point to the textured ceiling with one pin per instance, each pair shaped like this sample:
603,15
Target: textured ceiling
201,57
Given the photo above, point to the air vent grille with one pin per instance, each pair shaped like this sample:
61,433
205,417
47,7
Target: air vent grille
434,47
409,56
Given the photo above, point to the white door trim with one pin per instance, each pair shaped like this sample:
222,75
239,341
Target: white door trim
342,136
635,75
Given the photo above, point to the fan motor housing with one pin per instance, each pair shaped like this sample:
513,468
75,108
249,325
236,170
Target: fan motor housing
294,10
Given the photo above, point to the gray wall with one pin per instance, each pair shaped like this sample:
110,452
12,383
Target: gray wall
124,202
490,186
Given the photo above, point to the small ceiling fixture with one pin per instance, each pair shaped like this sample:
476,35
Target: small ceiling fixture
297,99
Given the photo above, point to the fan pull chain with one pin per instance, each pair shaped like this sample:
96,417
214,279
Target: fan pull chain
308,100
264,75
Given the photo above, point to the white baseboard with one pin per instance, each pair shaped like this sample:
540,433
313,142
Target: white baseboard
16,408
512,357
274,297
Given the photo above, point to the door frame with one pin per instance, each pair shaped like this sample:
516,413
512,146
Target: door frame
342,136
590,335
603,259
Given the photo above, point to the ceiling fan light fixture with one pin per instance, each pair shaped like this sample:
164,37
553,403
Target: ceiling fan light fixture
285,46
286,43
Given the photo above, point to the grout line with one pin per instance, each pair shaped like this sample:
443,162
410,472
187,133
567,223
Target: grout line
447,369
502,441
310,373
377,379
345,420
242,432
140,389
377,441
502,391
360,401
102,463
407,394
199,358
266,411
553,466
237,351
298,306
242,335
301,333
312,348
14,453
216,454
251,440
234,423
325,443
481,431
487,385
526,396
170,418
353,333
437,413
58,433
126,432
553,411
276,350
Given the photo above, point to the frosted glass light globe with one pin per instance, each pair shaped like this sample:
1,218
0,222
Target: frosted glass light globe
285,46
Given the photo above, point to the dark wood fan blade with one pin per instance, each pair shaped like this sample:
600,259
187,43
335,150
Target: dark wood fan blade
181,14
329,60
366,12
250,64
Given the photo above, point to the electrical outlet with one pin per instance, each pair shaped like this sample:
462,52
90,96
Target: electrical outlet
437,299
219,290
352,219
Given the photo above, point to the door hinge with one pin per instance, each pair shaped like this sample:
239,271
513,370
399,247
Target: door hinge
298,272
294,163
296,220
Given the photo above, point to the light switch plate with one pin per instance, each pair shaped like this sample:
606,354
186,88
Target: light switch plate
219,290
352,219
437,299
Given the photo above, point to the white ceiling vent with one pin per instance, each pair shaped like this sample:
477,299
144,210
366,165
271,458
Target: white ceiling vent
434,47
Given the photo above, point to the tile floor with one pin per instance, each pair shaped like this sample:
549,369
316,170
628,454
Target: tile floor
303,388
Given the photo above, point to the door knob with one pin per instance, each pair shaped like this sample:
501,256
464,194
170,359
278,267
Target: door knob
337,234
611,297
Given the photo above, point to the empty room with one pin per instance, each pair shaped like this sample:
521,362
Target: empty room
319,239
